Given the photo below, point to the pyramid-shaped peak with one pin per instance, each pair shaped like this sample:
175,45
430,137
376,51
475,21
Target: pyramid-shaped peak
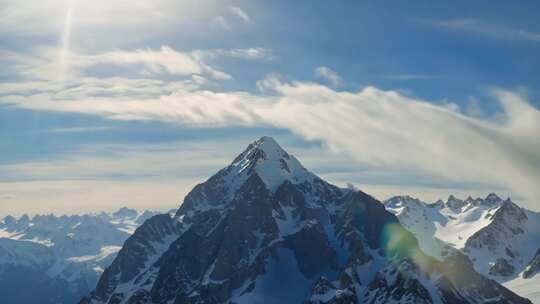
451,197
493,197
267,140
263,149
270,162
455,203
270,147
125,212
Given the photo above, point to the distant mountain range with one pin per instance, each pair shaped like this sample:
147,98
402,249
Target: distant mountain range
501,239
48,259
266,230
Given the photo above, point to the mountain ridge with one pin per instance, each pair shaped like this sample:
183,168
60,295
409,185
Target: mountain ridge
501,238
61,257
264,224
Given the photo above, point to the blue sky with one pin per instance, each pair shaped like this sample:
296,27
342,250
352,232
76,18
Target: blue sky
132,103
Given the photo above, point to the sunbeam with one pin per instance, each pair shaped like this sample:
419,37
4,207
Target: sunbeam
63,54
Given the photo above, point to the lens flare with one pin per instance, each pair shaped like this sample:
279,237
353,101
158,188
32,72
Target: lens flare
63,58
400,244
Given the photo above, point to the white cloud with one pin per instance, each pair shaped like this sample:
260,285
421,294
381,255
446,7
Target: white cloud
373,127
89,87
269,83
240,13
226,21
164,60
162,161
68,184
474,108
487,29
329,75
101,16
54,64
256,53
221,22
411,77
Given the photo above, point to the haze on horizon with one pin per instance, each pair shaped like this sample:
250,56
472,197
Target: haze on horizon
131,103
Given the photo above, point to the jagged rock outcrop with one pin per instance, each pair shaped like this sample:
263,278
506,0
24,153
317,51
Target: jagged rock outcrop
501,268
533,267
507,222
324,292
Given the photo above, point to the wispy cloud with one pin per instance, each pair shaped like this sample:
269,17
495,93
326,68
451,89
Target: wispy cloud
256,53
230,17
485,28
111,19
373,127
69,184
411,77
329,75
221,22
240,13
44,64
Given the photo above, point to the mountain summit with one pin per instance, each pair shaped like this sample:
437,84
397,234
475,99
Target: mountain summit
266,230
269,162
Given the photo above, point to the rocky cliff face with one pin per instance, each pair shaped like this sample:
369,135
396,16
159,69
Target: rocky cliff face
266,230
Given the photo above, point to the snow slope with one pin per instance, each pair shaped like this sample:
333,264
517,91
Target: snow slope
71,251
500,238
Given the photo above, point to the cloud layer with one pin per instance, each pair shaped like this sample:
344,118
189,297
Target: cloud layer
373,127
487,29
329,75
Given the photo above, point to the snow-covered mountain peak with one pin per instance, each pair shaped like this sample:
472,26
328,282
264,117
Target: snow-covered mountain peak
399,203
270,162
458,205
126,212
266,230
61,257
455,203
264,147
439,204
501,238
510,215
269,145
453,221
8,220
263,163
492,199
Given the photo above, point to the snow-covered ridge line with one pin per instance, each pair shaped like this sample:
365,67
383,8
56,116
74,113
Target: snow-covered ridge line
453,221
501,238
65,254
270,162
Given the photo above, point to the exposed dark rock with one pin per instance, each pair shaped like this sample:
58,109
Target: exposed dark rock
501,268
506,223
324,292
312,250
533,267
